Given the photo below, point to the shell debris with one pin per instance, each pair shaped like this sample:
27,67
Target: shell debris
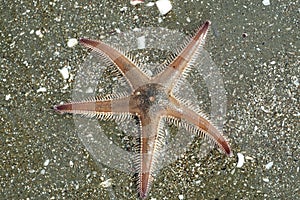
164,6
106,183
269,165
41,89
266,2
65,72
136,2
241,160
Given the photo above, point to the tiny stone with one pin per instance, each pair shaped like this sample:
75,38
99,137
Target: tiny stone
42,89
123,9
72,42
43,171
7,97
180,196
266,180
39,33
46,163
269,165
71,163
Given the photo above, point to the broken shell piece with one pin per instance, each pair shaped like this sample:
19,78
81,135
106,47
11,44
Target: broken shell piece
269,165
136,2
150,4
42,89
106,183
164,6
241,160
65,72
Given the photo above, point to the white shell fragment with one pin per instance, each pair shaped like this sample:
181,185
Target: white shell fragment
65,72
39,33
72,42
241,160
106,183
71,163
266,2
43,171
164,6
136,2
7,97
42,89
150,4
269,165
266,180
46,163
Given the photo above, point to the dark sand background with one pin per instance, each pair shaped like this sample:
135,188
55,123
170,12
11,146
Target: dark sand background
256,48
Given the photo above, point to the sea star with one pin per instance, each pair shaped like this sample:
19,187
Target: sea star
151,100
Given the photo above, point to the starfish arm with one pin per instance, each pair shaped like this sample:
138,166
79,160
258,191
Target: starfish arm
177,67
130,71
196,123
99,108
151,143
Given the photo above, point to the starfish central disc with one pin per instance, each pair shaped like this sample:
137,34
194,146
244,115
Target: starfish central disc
149,98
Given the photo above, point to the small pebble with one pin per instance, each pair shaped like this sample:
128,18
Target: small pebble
42,89
46,163
43,171
180,196
123,9
117,30
72,42
39,33
266,180
71,163
269,165
7,97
